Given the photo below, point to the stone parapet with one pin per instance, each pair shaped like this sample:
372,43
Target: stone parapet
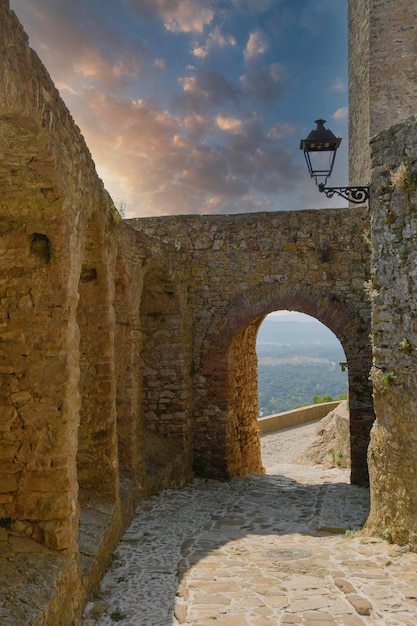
289,419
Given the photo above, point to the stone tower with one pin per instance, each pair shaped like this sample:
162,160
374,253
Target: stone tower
383,139
382,73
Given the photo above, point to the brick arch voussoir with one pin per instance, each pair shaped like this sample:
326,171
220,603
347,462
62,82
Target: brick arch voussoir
248,307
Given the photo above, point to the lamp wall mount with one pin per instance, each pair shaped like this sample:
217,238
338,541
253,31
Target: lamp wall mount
357,195
320,142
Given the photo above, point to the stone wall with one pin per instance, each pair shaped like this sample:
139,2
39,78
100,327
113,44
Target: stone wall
393,449
393,50
383,96
382,85
302,415
51,201
127,350
237,270
72,334
359,103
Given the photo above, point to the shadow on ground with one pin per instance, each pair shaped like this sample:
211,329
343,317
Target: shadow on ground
174,531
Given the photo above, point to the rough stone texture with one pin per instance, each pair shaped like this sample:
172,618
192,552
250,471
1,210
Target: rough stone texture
264,550
382,85
393,446
359,96
237,270
72,432
383,94
331,447
127,353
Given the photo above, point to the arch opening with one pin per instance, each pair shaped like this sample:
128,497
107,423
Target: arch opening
300,362
231,392
302,378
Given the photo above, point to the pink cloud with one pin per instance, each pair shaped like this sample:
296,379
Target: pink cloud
91,49
178,16
159,163
256,46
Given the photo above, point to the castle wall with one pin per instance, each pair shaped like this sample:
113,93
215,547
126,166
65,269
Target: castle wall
359,104
393,51
49,190
72,437
125,352
383,96
393,447
382,85
238,269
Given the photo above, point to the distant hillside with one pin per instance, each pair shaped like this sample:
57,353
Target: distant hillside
297,360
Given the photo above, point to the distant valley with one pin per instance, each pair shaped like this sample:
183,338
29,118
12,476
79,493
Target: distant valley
298,360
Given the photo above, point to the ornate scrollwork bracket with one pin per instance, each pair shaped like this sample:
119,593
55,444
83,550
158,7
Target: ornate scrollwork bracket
357,195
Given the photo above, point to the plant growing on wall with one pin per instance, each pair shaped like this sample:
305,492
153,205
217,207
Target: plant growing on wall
381,380
405,179
370,289
406,347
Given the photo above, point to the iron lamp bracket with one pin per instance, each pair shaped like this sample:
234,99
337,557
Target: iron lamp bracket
357,195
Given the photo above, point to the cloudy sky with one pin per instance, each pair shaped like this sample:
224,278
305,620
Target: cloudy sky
198,106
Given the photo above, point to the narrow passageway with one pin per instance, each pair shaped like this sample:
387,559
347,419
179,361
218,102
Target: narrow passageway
259,551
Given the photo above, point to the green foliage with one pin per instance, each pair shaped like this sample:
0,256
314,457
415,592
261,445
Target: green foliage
322,399
388,378
328,398
336,457
381,380
367,238
287,386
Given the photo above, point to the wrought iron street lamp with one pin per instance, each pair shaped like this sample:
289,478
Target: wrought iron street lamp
320,145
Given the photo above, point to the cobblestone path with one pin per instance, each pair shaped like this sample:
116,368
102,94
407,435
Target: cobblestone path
259,551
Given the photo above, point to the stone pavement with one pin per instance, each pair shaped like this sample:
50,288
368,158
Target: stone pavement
260,551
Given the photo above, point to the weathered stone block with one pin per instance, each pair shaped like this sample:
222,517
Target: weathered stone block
8,484
46,480
58,536
44,506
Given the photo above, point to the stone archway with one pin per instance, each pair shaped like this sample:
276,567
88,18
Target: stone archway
226,441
